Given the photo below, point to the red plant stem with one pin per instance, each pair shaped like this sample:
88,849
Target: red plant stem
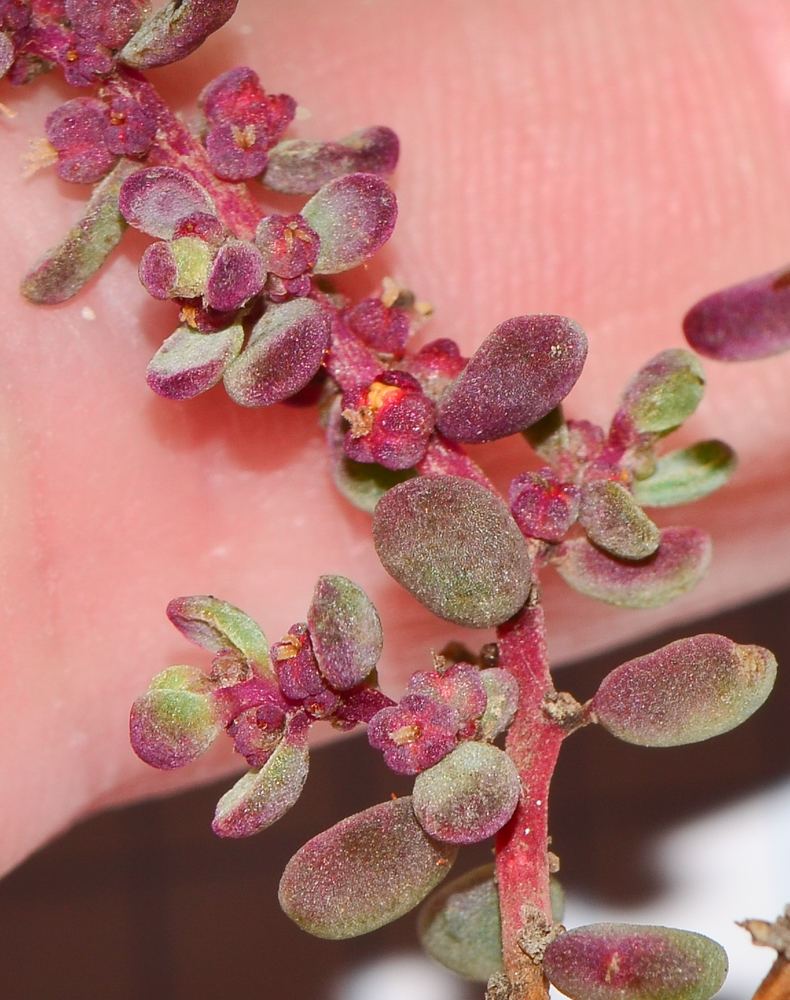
522,863
175,146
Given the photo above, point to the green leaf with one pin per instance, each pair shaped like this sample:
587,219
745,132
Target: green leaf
680,562
633,962
455,547
664,392
687,475
687,691
64,269
221,628
345,631
460,927
363,872
614,520
501,689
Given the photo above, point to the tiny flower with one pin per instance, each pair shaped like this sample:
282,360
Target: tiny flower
109,23
76,130
83,60
384,328
542,505
436,365
289,246
391,421
461,687
257,732
131,128
416,734
298,674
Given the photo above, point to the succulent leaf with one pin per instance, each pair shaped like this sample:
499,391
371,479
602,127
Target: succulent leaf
345,630
454,546
687,475
364,872
664,392
633,962
284,352
221,628
501,688
688,691
64,269
614,520
175,30
354,216
680,562
237,275
156,199
459,925
747,321
189,362
518,375
469,795
302,166
265,794
176,720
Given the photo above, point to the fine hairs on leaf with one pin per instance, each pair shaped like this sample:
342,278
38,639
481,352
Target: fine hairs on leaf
258,316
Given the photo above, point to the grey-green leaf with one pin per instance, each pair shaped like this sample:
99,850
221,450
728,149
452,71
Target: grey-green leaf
221,627
665,391
64,269
687,475
363,872
455,547
345,630
459,925
685,692
614,520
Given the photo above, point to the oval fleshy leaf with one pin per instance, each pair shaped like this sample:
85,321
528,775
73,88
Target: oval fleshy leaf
176,270
221,628
664,392
687,475
176,720
459,925
236,276
189,362
175,30
64,269
454,546
520,372
469,795
635,962
363,872
284,352
265,794
345,630
681,561
614,520
501,689
688,691
353,216
747,321
302,166
156,199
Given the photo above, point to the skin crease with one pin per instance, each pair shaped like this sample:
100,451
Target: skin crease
612,162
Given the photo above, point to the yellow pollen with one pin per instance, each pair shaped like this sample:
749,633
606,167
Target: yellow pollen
287,649
72,55
379,393
406,734
245,137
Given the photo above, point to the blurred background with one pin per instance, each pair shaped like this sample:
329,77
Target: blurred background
146,904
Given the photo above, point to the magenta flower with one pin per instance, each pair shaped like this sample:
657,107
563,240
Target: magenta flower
416,734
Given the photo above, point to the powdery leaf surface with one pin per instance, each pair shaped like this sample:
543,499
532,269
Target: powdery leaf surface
520,372
469,795
614,520
687,691
459,925
175,30
345,630
664,392
454,546
363,872
156,199
681,561
687,475
632,962
189,362
220,627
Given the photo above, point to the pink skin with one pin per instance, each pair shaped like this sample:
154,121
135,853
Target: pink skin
609,162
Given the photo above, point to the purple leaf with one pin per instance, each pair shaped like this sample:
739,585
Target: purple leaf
747,321
454,546
681,561
221,628
265,794
459,925
353,216
176,270
685,692
189,363
175,30
157,199
237,275
614,520
634,962
520,372
345,631
284,352
469,795
364,872
64,269
176,720
302,166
